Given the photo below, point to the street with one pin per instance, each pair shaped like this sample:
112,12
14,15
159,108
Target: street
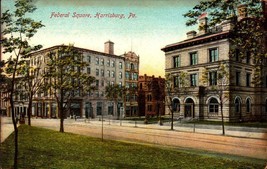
241,143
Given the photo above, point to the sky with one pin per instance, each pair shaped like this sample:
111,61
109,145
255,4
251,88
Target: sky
141,26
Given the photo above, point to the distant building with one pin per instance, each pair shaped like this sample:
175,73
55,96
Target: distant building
131,83
207,50
107,68
151,95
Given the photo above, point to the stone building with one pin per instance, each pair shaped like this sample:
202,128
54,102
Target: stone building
131,83
106,67
204,52
151,95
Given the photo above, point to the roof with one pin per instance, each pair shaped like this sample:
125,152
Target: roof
205,38
80,49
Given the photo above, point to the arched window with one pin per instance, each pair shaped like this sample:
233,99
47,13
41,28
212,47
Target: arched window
237,105
176,105
248,105
213,106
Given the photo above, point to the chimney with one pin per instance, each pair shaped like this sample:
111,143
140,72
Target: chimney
227,26
202,25
242,12
191,34
109,47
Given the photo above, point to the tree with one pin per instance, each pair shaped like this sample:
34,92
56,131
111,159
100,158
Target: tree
32,79
18,29
116,93
219,85
66,79
175,84
248,33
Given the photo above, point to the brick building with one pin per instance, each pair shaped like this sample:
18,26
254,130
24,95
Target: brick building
151,95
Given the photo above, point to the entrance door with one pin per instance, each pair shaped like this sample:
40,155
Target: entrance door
189,108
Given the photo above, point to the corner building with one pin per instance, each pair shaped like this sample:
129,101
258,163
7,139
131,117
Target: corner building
206,50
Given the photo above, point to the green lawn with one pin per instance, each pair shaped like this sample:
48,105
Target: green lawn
42,148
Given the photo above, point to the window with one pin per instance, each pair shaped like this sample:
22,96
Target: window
120,84
97,83
248,79
97,72
88,58
237,105
135,76
120,75
213,54
132,66
97,61
113,63
113,74
127,75
110,109
213,106
248,105
108,73
149,97
99,108
102,61
89,70
237,78
176,81
213,78
120,65
176,61
102,73
127,85
108,63
193,79
102,83
193,58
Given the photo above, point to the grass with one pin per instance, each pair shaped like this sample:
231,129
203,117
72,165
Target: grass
43,148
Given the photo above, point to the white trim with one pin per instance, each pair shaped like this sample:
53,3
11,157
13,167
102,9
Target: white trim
209,98
190,98
239,99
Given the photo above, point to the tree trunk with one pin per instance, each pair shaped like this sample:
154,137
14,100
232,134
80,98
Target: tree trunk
61,124
172,120
29,113
223,131
14,121
61,111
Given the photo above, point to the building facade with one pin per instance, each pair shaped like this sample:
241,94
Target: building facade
202,54
106,67
151,96
131,83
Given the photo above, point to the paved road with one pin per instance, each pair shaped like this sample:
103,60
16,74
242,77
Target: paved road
255,146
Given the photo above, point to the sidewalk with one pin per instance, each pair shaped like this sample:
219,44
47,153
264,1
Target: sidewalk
6,128
235,131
